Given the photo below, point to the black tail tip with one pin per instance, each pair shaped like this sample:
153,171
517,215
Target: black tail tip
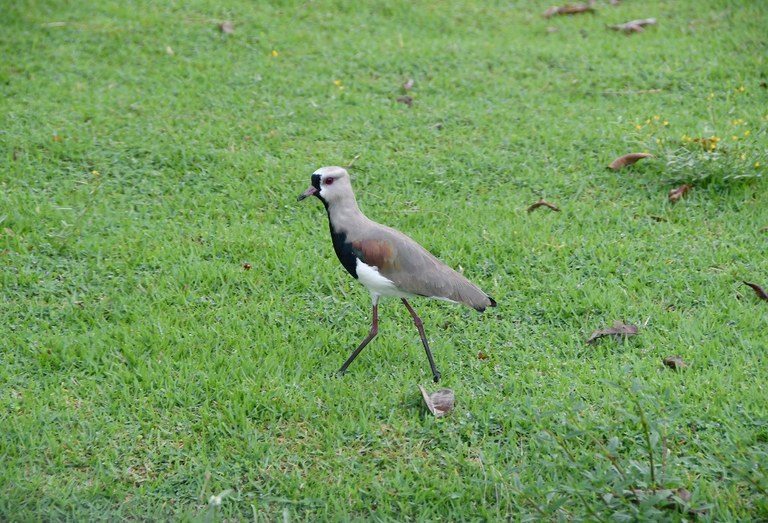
492,304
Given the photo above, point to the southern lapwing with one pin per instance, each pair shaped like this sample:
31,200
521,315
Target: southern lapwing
386,261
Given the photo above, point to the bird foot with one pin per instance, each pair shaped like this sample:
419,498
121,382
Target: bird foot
436,377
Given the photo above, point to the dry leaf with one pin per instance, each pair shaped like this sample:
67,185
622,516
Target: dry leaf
675,362
634,26
542,203
408,84
227,27
481,355
439,403
627,28
56,138
618,330
551,29
407,100
758,290
676,194
549,13
247,266
568,10
627,159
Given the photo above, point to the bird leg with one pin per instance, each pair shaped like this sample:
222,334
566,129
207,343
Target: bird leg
371,335
420,326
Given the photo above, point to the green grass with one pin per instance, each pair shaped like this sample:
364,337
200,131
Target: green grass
145,156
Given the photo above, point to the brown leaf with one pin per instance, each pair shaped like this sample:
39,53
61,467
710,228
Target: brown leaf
758,290
627,28
634,26
568,10
227,27
247,266
439,403
675,362
618,330
56,138
481,355
542,203
408,84
627,159
679,192
407,100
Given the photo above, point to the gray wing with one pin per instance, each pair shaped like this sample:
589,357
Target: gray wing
414,269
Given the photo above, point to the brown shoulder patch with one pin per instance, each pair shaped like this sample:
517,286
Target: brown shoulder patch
377,253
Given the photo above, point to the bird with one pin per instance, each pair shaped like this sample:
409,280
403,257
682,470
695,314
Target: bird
386,261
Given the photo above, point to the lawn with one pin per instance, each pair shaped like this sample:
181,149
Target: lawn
172,318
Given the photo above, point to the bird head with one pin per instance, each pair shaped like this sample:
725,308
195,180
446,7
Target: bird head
329,184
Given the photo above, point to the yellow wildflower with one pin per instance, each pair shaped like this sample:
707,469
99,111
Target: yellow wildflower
275,54
746,133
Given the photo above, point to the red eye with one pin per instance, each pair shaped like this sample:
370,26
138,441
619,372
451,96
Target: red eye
328,181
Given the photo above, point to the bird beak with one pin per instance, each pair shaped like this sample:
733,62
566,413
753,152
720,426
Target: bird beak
306,194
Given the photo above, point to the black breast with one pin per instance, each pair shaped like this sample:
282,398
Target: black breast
344,251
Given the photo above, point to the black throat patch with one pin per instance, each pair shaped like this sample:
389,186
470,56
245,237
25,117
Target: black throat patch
316,184
344,251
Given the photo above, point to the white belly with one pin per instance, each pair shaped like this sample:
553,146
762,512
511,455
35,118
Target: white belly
377,284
